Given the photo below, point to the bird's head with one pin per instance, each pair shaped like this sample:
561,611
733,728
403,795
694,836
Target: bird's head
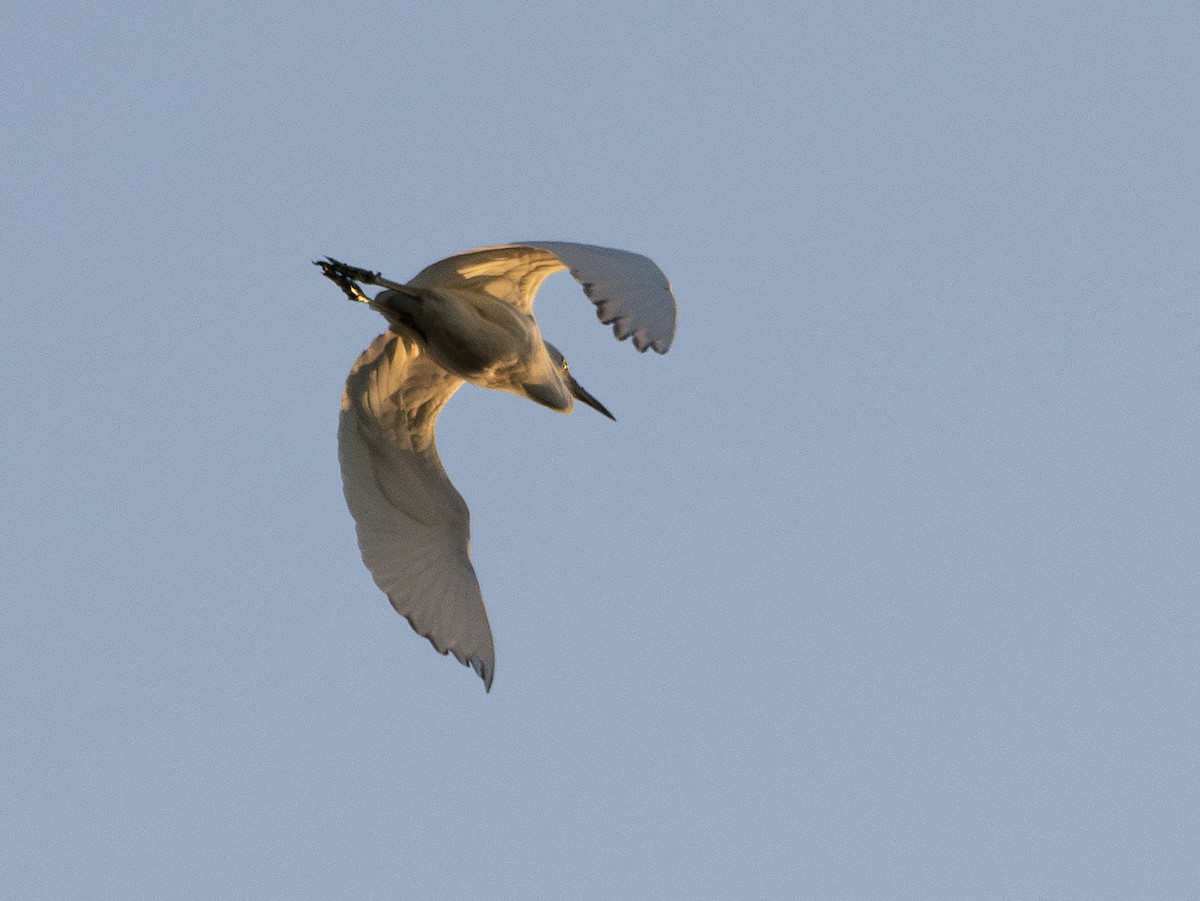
559,390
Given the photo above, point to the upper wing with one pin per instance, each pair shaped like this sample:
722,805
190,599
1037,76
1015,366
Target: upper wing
413,526
630,292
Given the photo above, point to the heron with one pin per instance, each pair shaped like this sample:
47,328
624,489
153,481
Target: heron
467,318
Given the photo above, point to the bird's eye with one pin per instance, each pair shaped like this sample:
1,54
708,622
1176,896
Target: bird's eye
565,367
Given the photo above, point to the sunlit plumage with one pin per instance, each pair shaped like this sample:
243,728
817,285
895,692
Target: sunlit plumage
466,318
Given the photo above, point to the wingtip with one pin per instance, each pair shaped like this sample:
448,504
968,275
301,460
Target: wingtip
475,662
483,671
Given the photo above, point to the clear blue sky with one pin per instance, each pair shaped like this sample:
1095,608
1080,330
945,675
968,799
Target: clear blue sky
884,584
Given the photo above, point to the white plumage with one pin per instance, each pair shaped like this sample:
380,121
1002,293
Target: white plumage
465,318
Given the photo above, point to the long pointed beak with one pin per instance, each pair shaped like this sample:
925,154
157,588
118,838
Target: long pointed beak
579,394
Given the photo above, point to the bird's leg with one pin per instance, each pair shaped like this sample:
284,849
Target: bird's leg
351,272
341,274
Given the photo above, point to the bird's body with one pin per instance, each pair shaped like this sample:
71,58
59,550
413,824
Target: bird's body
466,318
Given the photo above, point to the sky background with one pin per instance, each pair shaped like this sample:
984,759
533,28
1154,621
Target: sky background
884,584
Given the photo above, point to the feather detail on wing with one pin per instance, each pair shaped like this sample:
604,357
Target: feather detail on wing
630,292
413,526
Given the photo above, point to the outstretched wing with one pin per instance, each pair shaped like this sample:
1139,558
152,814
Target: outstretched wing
413,526
630,292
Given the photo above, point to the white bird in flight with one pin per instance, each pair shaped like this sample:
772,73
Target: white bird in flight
466,318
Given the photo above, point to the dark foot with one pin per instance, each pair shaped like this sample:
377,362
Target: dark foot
366,276
345,276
